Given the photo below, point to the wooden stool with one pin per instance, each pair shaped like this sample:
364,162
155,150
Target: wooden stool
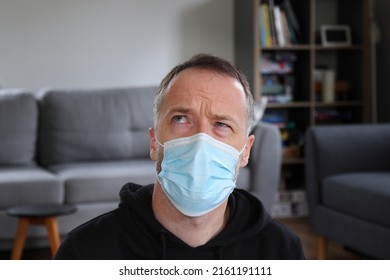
39,214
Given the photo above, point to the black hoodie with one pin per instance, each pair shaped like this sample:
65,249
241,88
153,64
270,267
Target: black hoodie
132,232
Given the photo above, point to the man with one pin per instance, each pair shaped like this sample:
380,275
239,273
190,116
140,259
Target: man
203,115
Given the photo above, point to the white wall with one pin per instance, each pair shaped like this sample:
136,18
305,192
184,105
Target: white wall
93,43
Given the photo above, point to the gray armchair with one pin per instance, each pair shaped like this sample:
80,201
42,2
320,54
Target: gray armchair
348,187
261,176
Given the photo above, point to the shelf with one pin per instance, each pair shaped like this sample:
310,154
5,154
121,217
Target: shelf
289,105
287,48
339,104
338,48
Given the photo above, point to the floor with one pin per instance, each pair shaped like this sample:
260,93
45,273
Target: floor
300,226
308,237
30,254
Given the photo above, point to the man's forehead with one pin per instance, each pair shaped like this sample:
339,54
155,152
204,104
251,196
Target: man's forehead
192,88
192,81
194,74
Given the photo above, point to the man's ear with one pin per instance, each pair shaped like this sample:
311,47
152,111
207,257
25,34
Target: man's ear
245,156
152,144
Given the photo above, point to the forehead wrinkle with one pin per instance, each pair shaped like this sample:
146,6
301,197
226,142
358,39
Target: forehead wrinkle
200,96
179,109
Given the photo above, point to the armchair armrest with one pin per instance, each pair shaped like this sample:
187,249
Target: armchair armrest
265,163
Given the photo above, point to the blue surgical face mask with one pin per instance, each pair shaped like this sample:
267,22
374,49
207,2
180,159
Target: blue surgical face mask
198,173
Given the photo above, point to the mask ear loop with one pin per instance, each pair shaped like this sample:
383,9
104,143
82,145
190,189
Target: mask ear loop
158,142
242,150
240,154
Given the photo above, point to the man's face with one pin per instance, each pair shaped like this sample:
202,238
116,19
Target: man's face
202,101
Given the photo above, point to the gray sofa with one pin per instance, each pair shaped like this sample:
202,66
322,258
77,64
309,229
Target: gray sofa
348,186
80,146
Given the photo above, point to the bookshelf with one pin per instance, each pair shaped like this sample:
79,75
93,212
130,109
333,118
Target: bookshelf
326,84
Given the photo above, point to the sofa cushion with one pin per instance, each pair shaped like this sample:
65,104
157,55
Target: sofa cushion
101,181
88,125
364,195
28,184
18,127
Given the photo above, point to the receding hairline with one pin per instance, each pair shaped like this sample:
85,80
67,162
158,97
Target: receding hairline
204,62
205,70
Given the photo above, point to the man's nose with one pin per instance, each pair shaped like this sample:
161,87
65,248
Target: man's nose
203,126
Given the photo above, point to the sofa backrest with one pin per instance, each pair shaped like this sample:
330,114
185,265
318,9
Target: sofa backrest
336,149
18,127
89,125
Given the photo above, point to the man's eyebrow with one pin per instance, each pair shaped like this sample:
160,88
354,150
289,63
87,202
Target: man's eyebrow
179,110
185,110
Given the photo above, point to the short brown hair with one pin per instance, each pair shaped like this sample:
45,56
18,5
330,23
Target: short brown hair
212,63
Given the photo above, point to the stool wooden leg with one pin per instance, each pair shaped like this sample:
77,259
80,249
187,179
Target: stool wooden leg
322,247
20,239
53,234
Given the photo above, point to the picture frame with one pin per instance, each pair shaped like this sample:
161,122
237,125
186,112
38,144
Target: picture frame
335,35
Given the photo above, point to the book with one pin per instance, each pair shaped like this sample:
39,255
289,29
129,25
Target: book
267,25
272,85
285,29
263,35
280,63
272,23
293,36
278,26
292,18
278,88
278,81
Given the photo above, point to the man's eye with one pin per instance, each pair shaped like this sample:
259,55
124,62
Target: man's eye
221,124
179,119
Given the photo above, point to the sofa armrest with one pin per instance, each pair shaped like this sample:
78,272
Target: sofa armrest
265,163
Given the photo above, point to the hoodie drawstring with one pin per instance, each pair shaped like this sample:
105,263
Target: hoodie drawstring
219,253
164,244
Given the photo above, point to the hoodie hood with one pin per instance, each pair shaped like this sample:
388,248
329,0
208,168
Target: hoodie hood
247,219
